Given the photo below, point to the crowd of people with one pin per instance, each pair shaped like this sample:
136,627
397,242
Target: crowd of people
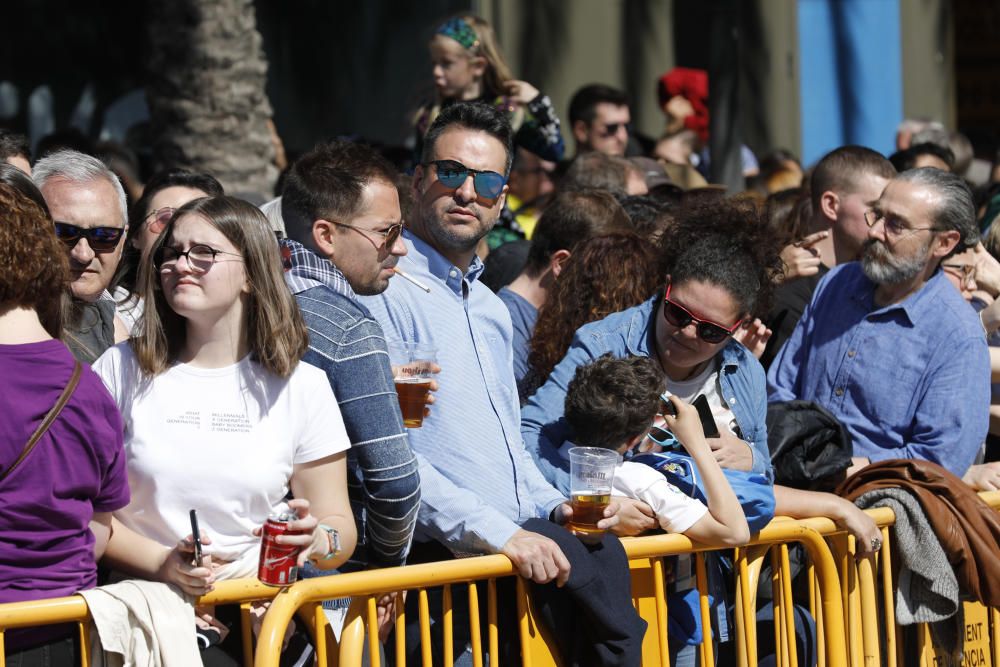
182,349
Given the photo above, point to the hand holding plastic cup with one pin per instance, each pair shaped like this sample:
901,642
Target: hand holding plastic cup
592,471
413,367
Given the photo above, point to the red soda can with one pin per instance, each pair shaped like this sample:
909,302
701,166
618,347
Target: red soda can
278,561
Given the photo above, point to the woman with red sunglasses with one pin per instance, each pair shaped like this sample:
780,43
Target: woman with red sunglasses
718,264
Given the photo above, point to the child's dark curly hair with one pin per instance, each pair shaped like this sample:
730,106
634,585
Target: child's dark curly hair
726,243
612,400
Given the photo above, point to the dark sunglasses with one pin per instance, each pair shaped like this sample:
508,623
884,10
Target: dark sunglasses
100,239
157,220
452,174
679,316
611,129
663,437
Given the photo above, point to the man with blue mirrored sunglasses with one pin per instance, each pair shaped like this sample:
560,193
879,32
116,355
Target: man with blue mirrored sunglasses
481,491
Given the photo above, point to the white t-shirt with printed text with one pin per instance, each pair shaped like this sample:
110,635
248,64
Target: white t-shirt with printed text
707,382
222,441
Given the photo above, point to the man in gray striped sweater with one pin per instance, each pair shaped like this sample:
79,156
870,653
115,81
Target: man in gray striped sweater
342,217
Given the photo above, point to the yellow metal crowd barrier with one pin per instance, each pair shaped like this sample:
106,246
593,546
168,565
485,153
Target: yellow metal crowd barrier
646,556
852,602
73,609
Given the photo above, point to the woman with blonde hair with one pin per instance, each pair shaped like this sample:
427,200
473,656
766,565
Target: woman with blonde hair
469,67
220,414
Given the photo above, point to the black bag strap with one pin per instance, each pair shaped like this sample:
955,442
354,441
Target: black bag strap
64,397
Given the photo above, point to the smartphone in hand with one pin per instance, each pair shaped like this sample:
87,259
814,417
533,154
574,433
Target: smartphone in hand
708,424
196,536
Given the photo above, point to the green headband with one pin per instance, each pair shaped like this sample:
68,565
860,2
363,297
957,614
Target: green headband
459,30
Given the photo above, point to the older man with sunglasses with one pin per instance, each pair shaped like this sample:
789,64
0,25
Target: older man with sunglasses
88,206
887,345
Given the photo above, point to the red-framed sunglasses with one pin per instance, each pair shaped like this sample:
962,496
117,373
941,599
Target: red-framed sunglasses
707,330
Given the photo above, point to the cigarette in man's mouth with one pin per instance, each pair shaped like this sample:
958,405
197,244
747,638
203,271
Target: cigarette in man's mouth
411,279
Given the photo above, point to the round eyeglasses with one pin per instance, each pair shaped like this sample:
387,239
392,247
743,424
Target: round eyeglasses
894,226
200,257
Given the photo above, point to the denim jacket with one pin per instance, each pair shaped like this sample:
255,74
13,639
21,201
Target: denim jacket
630,333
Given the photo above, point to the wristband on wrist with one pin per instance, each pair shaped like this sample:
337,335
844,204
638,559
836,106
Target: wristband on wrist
333,543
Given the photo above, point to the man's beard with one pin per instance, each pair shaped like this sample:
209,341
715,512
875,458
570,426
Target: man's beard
883,268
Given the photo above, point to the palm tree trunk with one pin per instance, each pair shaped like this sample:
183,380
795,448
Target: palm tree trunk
206,95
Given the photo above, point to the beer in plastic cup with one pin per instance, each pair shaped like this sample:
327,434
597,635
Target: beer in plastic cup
591,470
411,371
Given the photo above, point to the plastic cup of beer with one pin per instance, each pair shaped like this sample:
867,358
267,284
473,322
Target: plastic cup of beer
591,470
412,365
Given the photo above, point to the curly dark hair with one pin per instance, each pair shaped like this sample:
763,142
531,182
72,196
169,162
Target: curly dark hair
727,243
612,400
604,275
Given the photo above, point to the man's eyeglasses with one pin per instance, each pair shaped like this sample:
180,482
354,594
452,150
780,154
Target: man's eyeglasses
894,226
389,236
157,220
679,316
100,239
452,174
199,257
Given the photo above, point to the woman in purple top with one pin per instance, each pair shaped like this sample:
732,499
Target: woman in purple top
55,513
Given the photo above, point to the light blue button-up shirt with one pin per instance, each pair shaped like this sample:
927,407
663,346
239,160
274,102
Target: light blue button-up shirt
910,380
477,481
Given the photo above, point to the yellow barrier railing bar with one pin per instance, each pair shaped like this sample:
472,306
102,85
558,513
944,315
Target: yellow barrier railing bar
855,630
538,647
995,629
749,563
869,612
820,630
494,631
448,630
707,645
354,628
474,629
425,627
523,624
889,604
73,609
660,597
786,578
319,624
374,648
742,595
777,607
